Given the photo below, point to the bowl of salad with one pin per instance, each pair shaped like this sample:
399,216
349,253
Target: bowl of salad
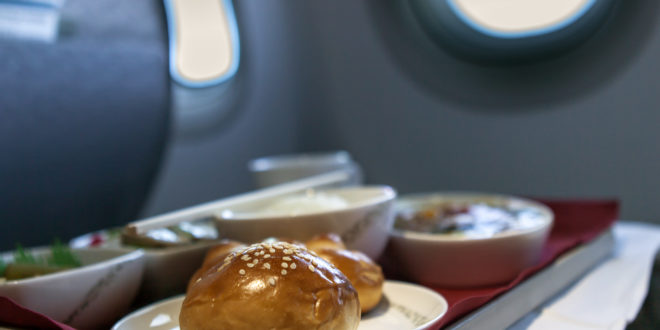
468,239
84,288
171,254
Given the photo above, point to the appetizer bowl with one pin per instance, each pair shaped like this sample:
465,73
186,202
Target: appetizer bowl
93,295
362,216
460,240
179,263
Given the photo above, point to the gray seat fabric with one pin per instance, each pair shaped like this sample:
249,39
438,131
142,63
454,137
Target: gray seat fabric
83,121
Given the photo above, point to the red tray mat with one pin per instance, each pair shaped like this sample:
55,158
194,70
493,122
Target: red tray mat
15,315
576,222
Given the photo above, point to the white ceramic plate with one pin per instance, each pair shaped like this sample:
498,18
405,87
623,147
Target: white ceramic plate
405,306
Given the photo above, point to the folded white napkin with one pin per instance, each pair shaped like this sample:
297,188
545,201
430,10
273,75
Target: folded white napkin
611,295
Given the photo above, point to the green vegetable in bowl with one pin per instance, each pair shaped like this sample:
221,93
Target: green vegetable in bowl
62,256
26,265
23,257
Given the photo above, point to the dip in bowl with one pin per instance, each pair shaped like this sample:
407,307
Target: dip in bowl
468,239
362,216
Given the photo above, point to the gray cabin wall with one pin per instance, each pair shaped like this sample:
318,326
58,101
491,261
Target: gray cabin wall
262,116
584,124
362,76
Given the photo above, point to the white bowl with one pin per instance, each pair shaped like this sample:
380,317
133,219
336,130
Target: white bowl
92,296
271,170
453,261
364,224
179,263
168,270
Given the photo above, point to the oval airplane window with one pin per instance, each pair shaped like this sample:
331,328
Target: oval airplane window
204,53
511,29
204,43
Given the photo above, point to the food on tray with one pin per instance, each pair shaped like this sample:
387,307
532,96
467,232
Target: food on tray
271,286
325,241
362,272
471,219
365,275
214,256
25,265
272,240
181,234
217,253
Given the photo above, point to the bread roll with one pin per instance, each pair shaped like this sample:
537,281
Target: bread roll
325,241
219,252
365,275
271,286
214,255
272,240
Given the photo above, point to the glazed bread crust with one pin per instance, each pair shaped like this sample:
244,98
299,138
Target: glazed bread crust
365,275
325,241
271,286
214,255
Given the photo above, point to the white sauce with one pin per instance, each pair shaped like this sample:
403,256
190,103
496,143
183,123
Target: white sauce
305,204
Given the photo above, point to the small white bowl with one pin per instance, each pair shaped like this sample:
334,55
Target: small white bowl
364,224
167,270
271,170
91,296
458,262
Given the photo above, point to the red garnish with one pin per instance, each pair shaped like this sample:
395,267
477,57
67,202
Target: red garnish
97,239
